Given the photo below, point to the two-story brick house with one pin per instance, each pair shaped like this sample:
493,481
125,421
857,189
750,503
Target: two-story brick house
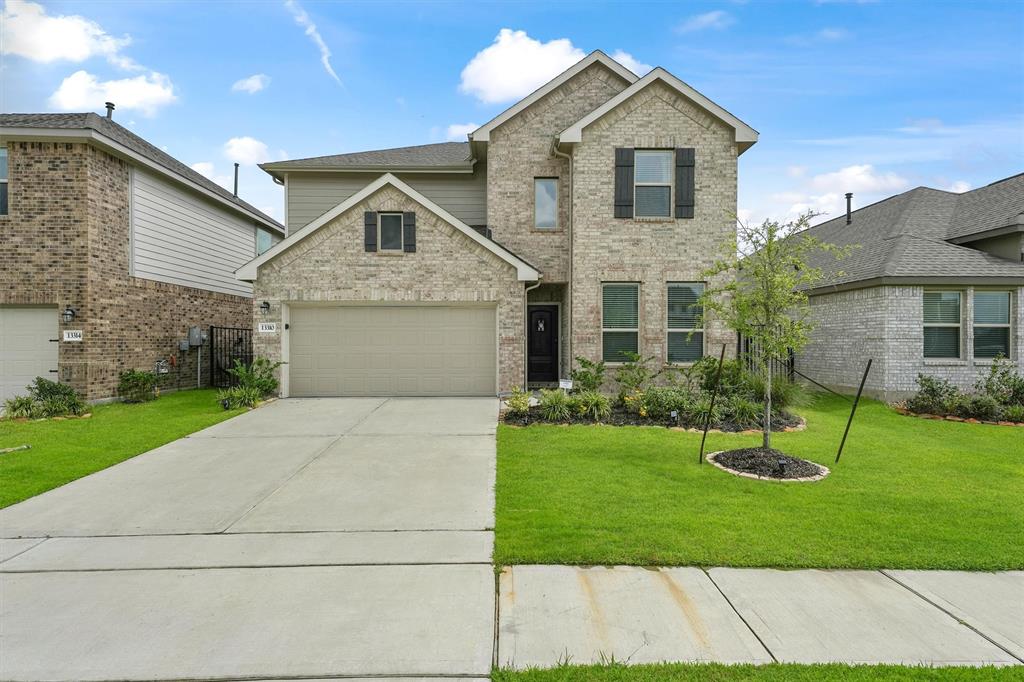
576,223
110,239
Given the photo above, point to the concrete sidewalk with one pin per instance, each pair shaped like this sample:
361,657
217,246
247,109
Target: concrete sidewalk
552,614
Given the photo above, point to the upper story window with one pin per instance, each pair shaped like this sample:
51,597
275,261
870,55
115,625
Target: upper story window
389,232
3,180
652,183
264,240
545,203
991,324
942,324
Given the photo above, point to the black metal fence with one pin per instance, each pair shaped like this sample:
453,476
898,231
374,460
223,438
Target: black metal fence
747,351
228,345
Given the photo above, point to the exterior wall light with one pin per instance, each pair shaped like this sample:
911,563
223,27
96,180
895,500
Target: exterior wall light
68,315
265,308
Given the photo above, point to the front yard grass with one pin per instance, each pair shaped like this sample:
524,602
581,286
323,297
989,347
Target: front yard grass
907,493
63,451
776,672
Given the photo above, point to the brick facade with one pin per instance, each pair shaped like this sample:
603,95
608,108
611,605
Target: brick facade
67,241
886,323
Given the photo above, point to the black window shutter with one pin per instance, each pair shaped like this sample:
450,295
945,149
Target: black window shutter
409,232
684,182
370,231
623,182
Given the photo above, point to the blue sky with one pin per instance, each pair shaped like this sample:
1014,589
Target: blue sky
868,97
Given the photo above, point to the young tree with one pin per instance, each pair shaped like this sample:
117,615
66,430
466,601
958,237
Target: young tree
762,295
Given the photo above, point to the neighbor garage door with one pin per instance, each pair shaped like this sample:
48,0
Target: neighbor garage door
392,350
27,350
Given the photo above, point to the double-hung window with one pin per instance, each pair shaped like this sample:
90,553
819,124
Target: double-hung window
685,322
389,232
652,183
942,324
3,180
620,321
545,203
991,324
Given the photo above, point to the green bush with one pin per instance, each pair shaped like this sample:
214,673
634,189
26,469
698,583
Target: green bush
20,407
785,393
934,396
743,411
697,411
1014,413
518,403
555,405
1002,383
258,376
137,386
634,375
54,399
239,396
734,375
589,376
658,402
983,407
592,405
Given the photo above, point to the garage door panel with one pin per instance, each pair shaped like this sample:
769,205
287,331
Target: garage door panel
26,347
392,350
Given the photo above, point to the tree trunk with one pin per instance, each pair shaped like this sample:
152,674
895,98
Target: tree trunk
768,403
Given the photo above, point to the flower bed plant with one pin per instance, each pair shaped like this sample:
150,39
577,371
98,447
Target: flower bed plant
256,382
45,399
138,386
997,397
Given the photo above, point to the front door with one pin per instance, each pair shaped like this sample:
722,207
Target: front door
542,344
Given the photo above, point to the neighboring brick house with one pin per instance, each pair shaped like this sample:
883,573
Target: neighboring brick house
130,245
576,223
934,284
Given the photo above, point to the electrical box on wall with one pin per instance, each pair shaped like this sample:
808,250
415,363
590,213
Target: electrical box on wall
195,336
183,345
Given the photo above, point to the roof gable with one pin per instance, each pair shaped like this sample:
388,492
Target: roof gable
997,207
483,133
524,270
451,157
745,135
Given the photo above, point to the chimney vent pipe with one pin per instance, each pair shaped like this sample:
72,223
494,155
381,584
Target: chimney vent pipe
849,210
236,180
110,109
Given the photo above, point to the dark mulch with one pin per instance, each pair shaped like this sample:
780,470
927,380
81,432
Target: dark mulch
767,462
622,417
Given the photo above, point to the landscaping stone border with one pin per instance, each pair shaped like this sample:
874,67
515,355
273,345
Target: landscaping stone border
825,471
952,418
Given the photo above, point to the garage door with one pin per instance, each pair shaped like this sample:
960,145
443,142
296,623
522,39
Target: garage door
392,350
26,349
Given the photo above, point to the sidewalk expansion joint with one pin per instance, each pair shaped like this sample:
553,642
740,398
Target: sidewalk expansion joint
740,616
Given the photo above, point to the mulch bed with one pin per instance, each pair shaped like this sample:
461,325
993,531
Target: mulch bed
767,463
622,417
952,417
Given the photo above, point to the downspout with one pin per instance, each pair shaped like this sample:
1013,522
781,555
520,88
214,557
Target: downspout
526,332
569,291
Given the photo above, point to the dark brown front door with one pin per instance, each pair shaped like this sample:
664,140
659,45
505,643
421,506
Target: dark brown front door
542,343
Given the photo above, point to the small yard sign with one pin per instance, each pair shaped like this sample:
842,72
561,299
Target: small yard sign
267,327
565,384
72,334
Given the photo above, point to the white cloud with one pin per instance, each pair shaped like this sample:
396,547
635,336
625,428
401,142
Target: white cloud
832,34
206,168
515,65
825,35
82,91
631,62
27,31
252,84
959,186
825,193
246,150
303,20
716,19
457,131
796,171
862,178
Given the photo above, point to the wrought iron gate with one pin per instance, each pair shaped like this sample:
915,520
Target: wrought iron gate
747,351
228,345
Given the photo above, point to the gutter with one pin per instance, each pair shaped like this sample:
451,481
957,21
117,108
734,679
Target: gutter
526,332
569,297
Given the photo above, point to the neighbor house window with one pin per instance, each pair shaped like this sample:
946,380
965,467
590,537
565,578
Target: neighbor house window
620,321
942,324
264,240
545,203
652,184
3,180
991,324
389,232
685,326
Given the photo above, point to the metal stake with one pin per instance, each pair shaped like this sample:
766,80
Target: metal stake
853,411
711,408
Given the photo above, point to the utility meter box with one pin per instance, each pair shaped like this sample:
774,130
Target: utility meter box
195,336
183,345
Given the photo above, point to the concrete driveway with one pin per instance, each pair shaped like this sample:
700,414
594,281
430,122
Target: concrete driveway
309,538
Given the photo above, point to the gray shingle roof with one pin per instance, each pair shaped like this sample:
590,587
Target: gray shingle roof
905,236
120,134
441,155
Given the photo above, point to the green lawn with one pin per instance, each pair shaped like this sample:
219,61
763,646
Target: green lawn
65,450
908,493
710,672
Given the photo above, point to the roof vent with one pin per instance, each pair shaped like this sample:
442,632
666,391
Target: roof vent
110,109
235,193
849,211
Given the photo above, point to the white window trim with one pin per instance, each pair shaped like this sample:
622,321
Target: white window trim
958,326
1008,325
401,233
670,184
669,328
636,287
535,225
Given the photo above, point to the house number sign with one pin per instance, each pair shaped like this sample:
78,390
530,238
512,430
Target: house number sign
72,334
267,327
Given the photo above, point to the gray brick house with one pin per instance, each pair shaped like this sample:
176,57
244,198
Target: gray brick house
933,285
111,251
576,223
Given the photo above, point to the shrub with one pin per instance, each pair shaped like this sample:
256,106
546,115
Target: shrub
20,407
785,393
54,399
592,405
734,375
634,375
137,386
1002,383
258,376
659,402
743,411
934,396
555,405
1014,413
697,411
518,403
983,407
239,396
589,376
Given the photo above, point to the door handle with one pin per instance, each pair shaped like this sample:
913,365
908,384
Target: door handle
53,371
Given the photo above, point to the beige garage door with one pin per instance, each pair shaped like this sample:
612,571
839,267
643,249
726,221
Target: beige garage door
26,349
392,350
